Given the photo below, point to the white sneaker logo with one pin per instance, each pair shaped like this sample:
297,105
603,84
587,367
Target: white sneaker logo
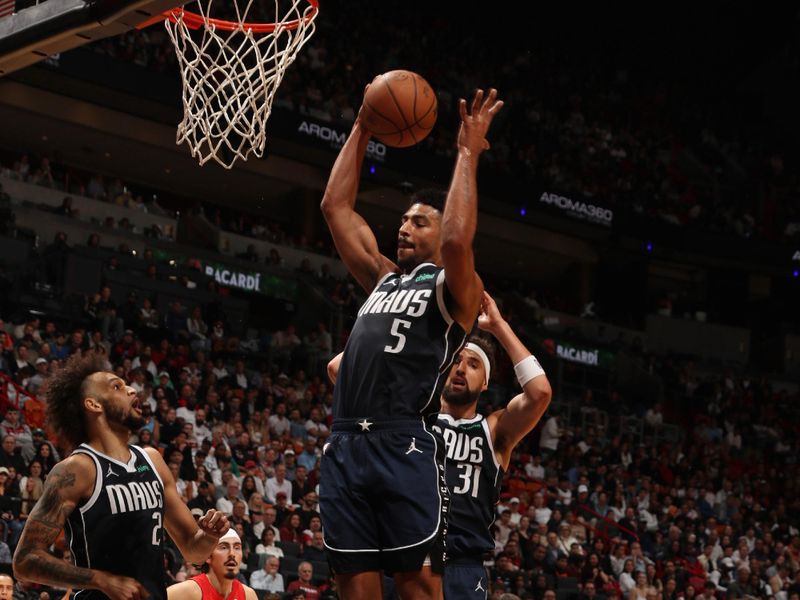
110,472
413,446
479,587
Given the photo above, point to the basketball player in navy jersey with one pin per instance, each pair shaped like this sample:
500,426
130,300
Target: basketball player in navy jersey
113,500
383,499
218,581
479,448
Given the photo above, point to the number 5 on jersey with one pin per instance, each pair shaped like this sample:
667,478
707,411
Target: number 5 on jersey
401,337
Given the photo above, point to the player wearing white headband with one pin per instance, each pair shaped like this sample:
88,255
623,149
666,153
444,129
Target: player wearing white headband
479,448
219,578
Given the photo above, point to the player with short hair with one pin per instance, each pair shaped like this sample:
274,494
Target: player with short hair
389,514
218,580
113,499
479,448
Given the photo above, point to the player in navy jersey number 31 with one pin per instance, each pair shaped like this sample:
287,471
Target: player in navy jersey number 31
479,448
383,499
113,500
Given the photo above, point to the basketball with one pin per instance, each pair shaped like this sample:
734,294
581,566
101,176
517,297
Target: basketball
399,108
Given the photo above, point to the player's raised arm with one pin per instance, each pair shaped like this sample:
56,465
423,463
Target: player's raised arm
461,209
524,410
195,540
355,241
68,483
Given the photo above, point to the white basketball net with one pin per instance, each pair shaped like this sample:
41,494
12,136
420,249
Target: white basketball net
230,79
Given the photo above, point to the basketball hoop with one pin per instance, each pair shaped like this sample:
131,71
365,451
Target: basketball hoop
231,70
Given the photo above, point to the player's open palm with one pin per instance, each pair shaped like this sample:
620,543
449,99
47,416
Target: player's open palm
489,317
475,123
118,587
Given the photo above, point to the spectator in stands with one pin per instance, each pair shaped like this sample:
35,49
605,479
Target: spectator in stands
10,454
308,457
548,440
198,330
267,545
314,550
292,529
268,577
107,317
176,322
284,342
278,422
304,583
277,484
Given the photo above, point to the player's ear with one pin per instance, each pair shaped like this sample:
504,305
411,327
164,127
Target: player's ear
92,405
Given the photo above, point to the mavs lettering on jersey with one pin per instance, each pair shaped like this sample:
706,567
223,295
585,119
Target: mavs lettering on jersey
120,527
400,350
132,496
473,477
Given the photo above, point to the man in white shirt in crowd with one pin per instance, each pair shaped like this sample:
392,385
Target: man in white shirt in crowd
534,469
268,578
548,440
278,422
541,511
276,484
225,504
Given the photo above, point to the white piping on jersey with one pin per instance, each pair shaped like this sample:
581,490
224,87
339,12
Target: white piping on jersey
86,543
152,465
98,480
408,276
440,298
457,422
438,513
130,467
381,281
444,368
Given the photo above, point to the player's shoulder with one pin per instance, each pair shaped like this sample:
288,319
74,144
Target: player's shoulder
185,590
76,473
249,593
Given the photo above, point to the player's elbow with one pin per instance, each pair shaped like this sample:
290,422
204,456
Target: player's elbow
23,567
542,394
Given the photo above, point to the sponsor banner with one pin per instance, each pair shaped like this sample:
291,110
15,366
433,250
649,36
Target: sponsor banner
579,209
328,136
252,281
577,353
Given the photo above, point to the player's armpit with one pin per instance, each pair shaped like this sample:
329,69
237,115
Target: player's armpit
333,367
67,483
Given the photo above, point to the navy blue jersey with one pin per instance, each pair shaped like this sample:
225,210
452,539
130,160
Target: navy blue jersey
401,349
473,477
119,529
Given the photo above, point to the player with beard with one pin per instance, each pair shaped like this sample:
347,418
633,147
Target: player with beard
395,363
479,448
113,500
218,580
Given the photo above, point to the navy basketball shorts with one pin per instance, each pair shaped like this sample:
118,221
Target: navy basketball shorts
465,580
382,496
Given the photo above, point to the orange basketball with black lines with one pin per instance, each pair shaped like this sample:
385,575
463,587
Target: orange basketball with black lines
400,108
